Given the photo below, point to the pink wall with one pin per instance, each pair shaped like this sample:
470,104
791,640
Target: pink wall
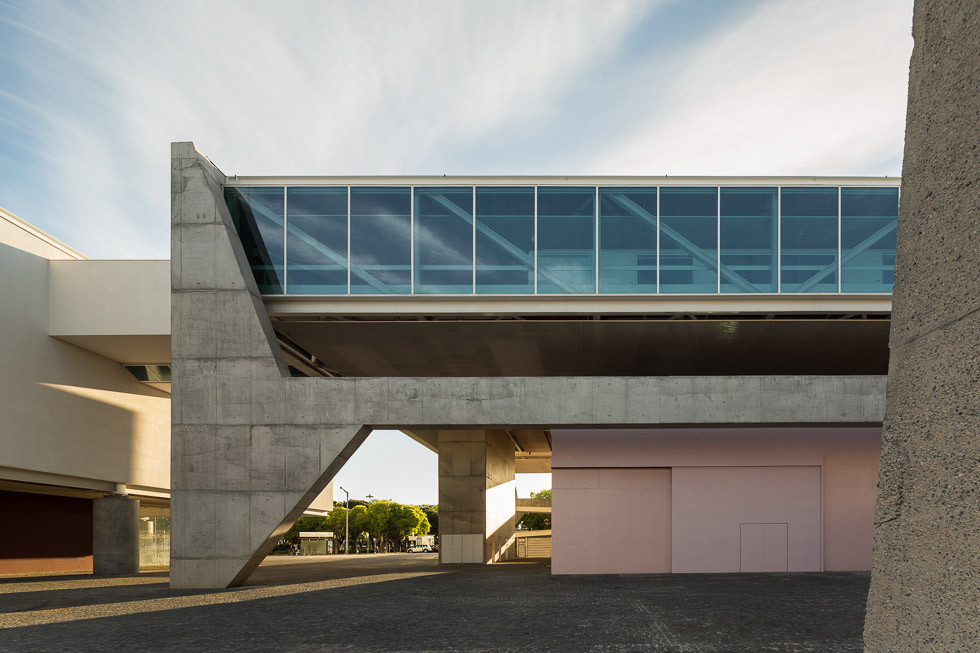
847,459
628,525
717,511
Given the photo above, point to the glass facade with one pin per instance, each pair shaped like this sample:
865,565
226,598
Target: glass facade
809,245
316,241
526,240
689,240
505,241
444,240
869,223
566,240
380,241
259,216
628,240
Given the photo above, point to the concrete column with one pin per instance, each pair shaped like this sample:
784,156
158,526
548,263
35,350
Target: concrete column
115,535
925,581
476,496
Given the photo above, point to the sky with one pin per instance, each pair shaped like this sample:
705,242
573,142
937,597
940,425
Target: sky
92,93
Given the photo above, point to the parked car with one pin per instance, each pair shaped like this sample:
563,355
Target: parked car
434,548
418,548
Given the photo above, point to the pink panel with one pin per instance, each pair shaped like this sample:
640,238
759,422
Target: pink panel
775,547
610,521
710,505
848,455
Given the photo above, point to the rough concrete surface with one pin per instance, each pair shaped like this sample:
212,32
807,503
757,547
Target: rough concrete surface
925,586
408,602
115,535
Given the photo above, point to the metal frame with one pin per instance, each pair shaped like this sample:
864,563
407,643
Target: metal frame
285,240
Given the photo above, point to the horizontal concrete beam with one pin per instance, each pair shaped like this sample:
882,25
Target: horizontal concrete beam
543,402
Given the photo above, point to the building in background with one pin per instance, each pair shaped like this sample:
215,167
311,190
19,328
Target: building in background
85,400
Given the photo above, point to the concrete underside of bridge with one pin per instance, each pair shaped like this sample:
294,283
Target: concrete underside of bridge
253,445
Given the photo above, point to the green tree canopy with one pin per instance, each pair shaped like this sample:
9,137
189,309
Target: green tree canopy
532,521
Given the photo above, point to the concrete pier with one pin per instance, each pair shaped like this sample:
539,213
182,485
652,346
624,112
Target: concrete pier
115,535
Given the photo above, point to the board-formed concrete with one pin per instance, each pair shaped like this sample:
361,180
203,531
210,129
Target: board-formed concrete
926,579
476,496
252,447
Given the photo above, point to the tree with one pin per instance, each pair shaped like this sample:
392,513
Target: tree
358,522
407,520
532,521
431,514
379,520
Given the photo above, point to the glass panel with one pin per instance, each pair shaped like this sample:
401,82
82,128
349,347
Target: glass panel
809,240
444,240
869,220
257,214
316,245
689,240
154,536
380,240
505,240
566,240
628,240
748,240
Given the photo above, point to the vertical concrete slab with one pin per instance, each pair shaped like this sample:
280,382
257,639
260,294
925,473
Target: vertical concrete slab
115,535
243,468
925,582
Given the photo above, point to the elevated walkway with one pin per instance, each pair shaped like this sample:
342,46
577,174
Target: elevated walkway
537,506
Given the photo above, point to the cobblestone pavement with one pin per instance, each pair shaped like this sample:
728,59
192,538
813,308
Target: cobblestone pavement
407,602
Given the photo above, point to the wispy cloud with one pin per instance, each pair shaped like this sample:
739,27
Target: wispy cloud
799,88
94,93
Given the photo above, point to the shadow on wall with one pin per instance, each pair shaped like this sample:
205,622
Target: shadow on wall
44,533
111,439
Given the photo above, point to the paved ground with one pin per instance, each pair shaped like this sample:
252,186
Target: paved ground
407,602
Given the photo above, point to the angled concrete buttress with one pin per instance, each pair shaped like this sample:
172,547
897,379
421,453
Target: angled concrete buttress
925,583
252,447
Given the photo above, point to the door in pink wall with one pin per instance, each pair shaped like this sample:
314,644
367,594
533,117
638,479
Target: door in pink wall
731,519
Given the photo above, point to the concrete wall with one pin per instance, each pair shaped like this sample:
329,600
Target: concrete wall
476,496
925,582
847,458
500,497
70,417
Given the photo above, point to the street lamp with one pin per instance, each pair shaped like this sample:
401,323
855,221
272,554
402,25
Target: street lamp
346,521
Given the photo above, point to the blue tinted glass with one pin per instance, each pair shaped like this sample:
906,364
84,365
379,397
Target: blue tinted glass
628,240
505,240
748,240
316,241
257,214
380,240
566,240
444,240
809,240
688,240
869,220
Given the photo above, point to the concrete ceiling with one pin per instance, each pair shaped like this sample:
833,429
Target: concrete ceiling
590,347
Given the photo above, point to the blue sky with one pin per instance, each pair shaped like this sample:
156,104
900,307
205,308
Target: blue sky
92,93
